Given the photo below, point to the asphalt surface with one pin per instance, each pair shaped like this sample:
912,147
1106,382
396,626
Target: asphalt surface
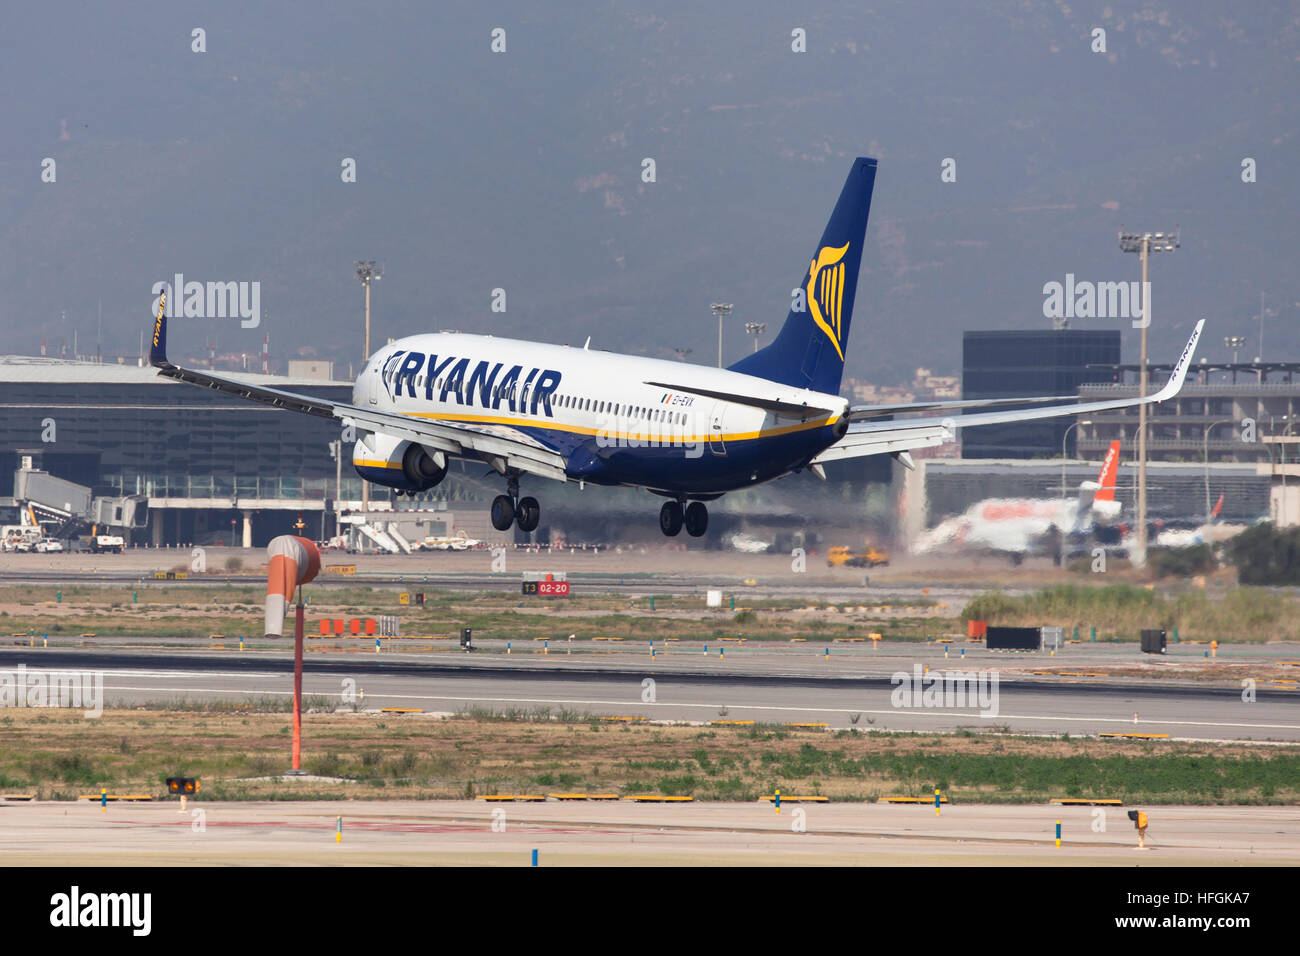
627,833
688,688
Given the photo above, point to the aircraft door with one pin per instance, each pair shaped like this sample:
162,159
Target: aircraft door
372,384
716,429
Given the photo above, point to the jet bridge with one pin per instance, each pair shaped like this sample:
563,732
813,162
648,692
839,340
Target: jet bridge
66,509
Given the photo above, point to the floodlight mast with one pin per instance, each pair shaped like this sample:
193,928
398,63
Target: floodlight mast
367,270
1144,243
720,309
1236,343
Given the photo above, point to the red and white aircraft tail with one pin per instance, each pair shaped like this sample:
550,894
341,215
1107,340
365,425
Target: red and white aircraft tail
1104,505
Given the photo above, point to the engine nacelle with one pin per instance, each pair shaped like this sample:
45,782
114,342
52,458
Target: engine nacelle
398,463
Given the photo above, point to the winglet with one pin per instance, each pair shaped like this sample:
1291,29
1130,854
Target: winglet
158,348
1175,383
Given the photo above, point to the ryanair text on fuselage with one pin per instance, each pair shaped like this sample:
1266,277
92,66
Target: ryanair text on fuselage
486,385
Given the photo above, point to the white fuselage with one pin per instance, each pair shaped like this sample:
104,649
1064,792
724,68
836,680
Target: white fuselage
573,400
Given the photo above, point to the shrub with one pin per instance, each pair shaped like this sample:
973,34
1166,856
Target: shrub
1181,562
1264,555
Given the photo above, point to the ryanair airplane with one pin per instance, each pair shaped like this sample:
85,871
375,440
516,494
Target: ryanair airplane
687,433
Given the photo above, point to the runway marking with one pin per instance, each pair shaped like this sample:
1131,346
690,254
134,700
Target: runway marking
939,714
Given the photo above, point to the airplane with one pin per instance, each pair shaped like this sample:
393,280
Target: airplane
687,433
1018,526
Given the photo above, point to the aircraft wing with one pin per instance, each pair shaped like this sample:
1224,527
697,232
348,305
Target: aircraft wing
903,435
859,413
501,447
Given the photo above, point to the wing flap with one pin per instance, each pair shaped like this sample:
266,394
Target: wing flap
858,413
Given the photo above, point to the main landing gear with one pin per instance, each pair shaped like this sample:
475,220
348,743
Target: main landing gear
695,516
510,509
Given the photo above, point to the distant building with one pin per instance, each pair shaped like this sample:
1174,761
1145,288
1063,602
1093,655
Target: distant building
931,386
210,466
868,394
313,369
1208,419
1029,363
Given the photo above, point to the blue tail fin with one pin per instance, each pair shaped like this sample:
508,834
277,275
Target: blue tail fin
808,352
158,346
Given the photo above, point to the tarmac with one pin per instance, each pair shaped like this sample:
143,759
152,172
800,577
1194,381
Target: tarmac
857,687
625,833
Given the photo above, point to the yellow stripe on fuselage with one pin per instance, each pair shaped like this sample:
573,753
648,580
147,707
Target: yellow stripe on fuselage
630,436
659,439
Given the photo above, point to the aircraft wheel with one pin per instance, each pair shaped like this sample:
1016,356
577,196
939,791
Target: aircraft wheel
503,512
670,518
697,519
528,514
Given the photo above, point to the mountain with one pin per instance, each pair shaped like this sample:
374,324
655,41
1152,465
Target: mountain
522,170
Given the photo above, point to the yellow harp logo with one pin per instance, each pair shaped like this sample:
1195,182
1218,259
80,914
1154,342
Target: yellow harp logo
826,293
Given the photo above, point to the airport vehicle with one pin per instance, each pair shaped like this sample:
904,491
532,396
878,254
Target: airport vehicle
20,538
687,433
48,545
843,556
749,544
454,542
107,543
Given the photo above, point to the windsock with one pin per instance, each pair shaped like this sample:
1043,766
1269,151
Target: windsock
294,561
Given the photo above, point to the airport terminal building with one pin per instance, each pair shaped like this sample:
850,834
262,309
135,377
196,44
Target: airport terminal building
1020,363
211,467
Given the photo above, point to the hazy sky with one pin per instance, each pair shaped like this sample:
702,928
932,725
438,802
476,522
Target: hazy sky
522,170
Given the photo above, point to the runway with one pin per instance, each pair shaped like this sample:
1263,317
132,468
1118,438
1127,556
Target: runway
624,833
697,691
631,572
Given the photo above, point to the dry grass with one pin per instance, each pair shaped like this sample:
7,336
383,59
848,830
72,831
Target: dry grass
59,755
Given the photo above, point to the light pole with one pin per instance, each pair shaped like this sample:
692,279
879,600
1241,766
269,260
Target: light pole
1281,450
336,449
1144,243
1064,435
367,270
1206,443
755,329
1236,343
720,309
